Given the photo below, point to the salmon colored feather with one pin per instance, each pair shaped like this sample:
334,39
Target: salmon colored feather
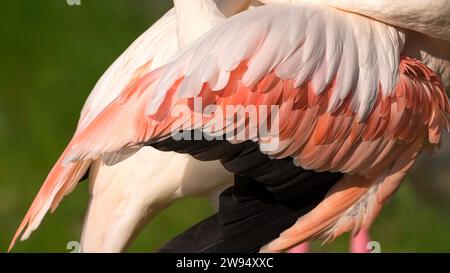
61,181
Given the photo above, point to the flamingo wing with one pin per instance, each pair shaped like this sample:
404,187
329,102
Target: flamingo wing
323,54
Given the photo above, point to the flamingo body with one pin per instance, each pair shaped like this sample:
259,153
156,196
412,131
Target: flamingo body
356,110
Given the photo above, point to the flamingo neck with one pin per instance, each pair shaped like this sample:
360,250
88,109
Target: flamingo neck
194,18
232,7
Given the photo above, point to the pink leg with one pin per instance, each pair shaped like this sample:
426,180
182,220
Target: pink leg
358,244
303,248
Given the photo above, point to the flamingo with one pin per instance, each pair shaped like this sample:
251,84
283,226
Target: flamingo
352,112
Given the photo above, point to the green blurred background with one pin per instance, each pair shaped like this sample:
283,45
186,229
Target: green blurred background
52,55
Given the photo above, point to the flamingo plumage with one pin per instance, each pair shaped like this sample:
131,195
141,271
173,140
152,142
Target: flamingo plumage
348,106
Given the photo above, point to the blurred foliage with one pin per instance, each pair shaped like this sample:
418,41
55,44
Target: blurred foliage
52,55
